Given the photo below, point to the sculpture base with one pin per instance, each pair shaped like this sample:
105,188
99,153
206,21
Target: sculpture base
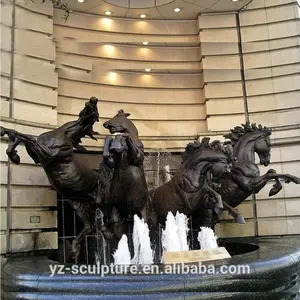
274,265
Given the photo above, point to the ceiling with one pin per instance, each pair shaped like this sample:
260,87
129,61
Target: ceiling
156,9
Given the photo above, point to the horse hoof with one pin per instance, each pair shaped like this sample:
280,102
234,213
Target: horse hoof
274,191
14,157
2,131
297,181
240,219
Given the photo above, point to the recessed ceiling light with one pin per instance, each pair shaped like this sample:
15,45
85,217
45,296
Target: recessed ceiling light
143,16
145,43
235,0
80,1
108,13
147,70
177,9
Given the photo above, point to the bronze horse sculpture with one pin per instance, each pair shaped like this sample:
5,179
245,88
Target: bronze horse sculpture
54,151
190,187
128,187
244,178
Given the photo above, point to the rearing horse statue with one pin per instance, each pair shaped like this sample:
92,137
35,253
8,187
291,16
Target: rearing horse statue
244,178
54,150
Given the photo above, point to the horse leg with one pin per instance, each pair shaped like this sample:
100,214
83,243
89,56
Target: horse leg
107,157
238,218
106,147
12,153
109,229
117,222
83,212
154,228
15,140
216,196
137,153
144,214
288,178
88,228
33,148
258,183
113,229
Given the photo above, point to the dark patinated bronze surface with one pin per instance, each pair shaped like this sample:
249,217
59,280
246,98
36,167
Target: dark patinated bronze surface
245,179
212,177
128,188
54,151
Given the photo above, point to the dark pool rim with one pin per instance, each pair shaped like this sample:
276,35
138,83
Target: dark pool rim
274,274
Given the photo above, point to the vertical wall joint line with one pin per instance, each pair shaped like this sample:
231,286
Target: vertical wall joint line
11,97
12,58
8,209
242,66
246,109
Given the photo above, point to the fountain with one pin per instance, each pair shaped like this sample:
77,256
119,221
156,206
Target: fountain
174,236
207,238
193,190
143,253
167,173
122,254
158,170
170,239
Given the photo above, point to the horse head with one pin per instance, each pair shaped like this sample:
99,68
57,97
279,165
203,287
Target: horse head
218,157
249,139
120,123
73,131
127,140
63,139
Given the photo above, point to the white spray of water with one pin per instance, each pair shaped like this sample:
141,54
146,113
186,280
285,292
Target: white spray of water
174,237
207,238
158,169
143,253
182,230
167,173
169,239
122,254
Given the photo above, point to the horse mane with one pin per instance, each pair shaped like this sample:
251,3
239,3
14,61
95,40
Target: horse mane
237,132
204,144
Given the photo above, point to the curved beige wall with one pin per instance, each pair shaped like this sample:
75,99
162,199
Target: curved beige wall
105,57
196,88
